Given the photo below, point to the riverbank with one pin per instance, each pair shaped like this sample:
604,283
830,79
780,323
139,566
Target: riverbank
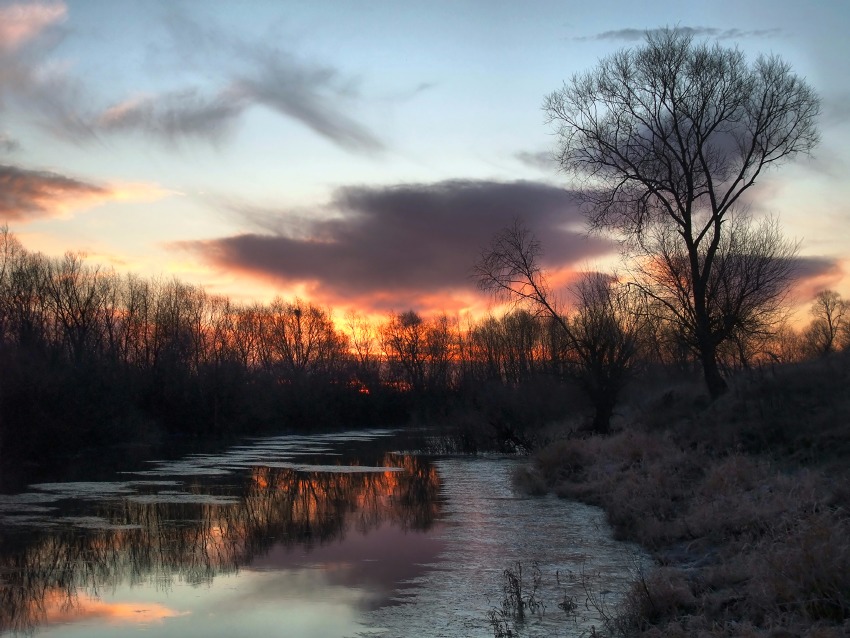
744,504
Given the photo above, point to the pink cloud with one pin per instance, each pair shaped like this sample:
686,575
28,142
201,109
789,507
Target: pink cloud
21,23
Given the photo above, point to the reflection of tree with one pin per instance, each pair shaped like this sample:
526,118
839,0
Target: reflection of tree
151,540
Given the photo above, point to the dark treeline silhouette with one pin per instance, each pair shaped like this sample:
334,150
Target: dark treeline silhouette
89,357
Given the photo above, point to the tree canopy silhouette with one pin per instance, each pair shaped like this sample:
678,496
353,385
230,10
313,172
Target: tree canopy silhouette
669,136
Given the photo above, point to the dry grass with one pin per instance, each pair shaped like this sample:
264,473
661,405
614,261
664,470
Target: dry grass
751,532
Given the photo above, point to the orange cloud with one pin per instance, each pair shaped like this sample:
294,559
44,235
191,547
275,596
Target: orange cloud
137,192
21,23
31,194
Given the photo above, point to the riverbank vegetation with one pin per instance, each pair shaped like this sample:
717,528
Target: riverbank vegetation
744,503
90,358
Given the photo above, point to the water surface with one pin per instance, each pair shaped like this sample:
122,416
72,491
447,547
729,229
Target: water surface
324,536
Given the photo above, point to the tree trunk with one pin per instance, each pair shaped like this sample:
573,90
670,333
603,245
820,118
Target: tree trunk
603,405
714,381
707,344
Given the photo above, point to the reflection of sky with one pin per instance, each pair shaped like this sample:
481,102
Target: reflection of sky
321,592
378,560
301,601
317,548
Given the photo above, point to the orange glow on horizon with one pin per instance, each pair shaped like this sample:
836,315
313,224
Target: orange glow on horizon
246,287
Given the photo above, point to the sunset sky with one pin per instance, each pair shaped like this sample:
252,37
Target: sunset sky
357,154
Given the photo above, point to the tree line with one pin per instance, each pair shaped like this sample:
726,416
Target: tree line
90,357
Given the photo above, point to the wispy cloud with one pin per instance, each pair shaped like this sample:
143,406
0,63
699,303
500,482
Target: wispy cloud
31,77
174,116
633,34
308,95
542,160
412,92
235,74
8,144
386,246
261,72
244,74
836,110
22,23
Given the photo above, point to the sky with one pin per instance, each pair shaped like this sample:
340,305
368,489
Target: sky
359,155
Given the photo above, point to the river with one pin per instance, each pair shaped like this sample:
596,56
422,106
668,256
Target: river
328,536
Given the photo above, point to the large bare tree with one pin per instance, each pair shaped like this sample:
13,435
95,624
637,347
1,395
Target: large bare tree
671,134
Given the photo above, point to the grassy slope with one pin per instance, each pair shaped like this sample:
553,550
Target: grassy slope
744,503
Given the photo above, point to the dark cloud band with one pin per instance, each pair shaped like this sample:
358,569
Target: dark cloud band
406,239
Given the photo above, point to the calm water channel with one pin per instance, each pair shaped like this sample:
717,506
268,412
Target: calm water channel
323,536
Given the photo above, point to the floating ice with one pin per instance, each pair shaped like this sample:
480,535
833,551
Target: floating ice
97,522
86,489
181,498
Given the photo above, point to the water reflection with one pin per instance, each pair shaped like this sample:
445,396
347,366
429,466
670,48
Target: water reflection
54,564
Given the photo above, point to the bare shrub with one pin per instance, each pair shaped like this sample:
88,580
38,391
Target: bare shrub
805,570
665,593
516,600
800,411
563,460
741,498
529,481
641,480
674,406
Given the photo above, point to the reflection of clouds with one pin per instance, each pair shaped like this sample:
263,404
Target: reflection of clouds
85,489
84,607
136,531
293,602
297,586
376,561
